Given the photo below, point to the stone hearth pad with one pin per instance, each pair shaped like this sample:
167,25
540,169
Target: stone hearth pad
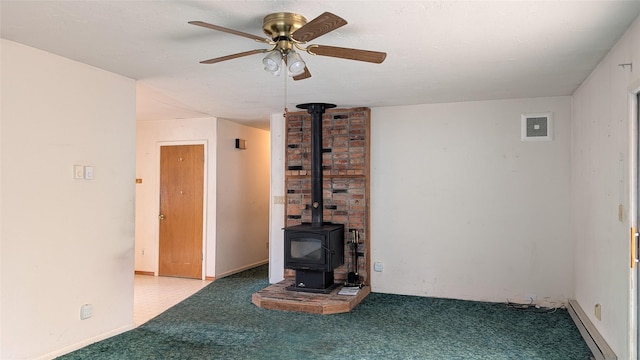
277,297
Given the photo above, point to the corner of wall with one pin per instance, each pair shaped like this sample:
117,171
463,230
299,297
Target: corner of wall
276,211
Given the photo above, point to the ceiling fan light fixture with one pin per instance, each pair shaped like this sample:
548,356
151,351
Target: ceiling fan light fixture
287,31
295,63
272,62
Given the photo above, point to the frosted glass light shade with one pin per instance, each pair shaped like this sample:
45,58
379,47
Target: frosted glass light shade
272,61
295,63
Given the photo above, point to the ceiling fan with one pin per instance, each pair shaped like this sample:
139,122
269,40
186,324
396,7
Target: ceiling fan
289,31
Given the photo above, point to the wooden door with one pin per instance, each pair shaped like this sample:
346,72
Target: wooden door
181,210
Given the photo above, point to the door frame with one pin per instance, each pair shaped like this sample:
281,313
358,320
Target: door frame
634,213
205,180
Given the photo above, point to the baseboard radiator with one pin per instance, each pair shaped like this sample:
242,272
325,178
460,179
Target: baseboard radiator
598,346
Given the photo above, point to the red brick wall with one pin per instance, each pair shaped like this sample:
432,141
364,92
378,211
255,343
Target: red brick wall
345,161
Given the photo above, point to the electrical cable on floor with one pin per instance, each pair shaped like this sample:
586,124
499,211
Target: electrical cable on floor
530,307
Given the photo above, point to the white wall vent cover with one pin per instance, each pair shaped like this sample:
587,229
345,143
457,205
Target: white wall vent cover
537,127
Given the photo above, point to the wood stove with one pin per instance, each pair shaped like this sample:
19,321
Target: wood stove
314,249
314,252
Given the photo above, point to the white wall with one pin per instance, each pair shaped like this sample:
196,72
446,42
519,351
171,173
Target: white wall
150,136
242,198
65,242
601,130
462,208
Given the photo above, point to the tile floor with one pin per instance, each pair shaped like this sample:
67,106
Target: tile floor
153,295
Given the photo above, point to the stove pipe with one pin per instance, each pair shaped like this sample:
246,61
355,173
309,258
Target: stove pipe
316,110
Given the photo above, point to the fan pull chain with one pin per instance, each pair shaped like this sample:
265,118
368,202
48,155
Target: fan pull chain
284,114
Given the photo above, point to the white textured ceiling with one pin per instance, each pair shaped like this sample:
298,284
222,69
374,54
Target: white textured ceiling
438,51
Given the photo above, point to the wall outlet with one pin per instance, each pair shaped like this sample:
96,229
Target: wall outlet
377,266
86,311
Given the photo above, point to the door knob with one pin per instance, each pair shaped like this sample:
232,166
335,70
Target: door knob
161,216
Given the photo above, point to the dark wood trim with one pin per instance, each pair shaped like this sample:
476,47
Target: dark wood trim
140,272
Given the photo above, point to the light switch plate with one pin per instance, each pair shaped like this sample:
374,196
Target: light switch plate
78,172
88,172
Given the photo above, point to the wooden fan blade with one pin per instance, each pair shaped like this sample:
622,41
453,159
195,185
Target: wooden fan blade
346,53
230,31
233,56
305,75
319,26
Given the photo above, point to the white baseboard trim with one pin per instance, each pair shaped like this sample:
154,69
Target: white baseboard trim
598,346
241,269
83,343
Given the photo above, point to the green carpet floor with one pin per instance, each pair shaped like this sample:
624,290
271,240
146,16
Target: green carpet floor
220,322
